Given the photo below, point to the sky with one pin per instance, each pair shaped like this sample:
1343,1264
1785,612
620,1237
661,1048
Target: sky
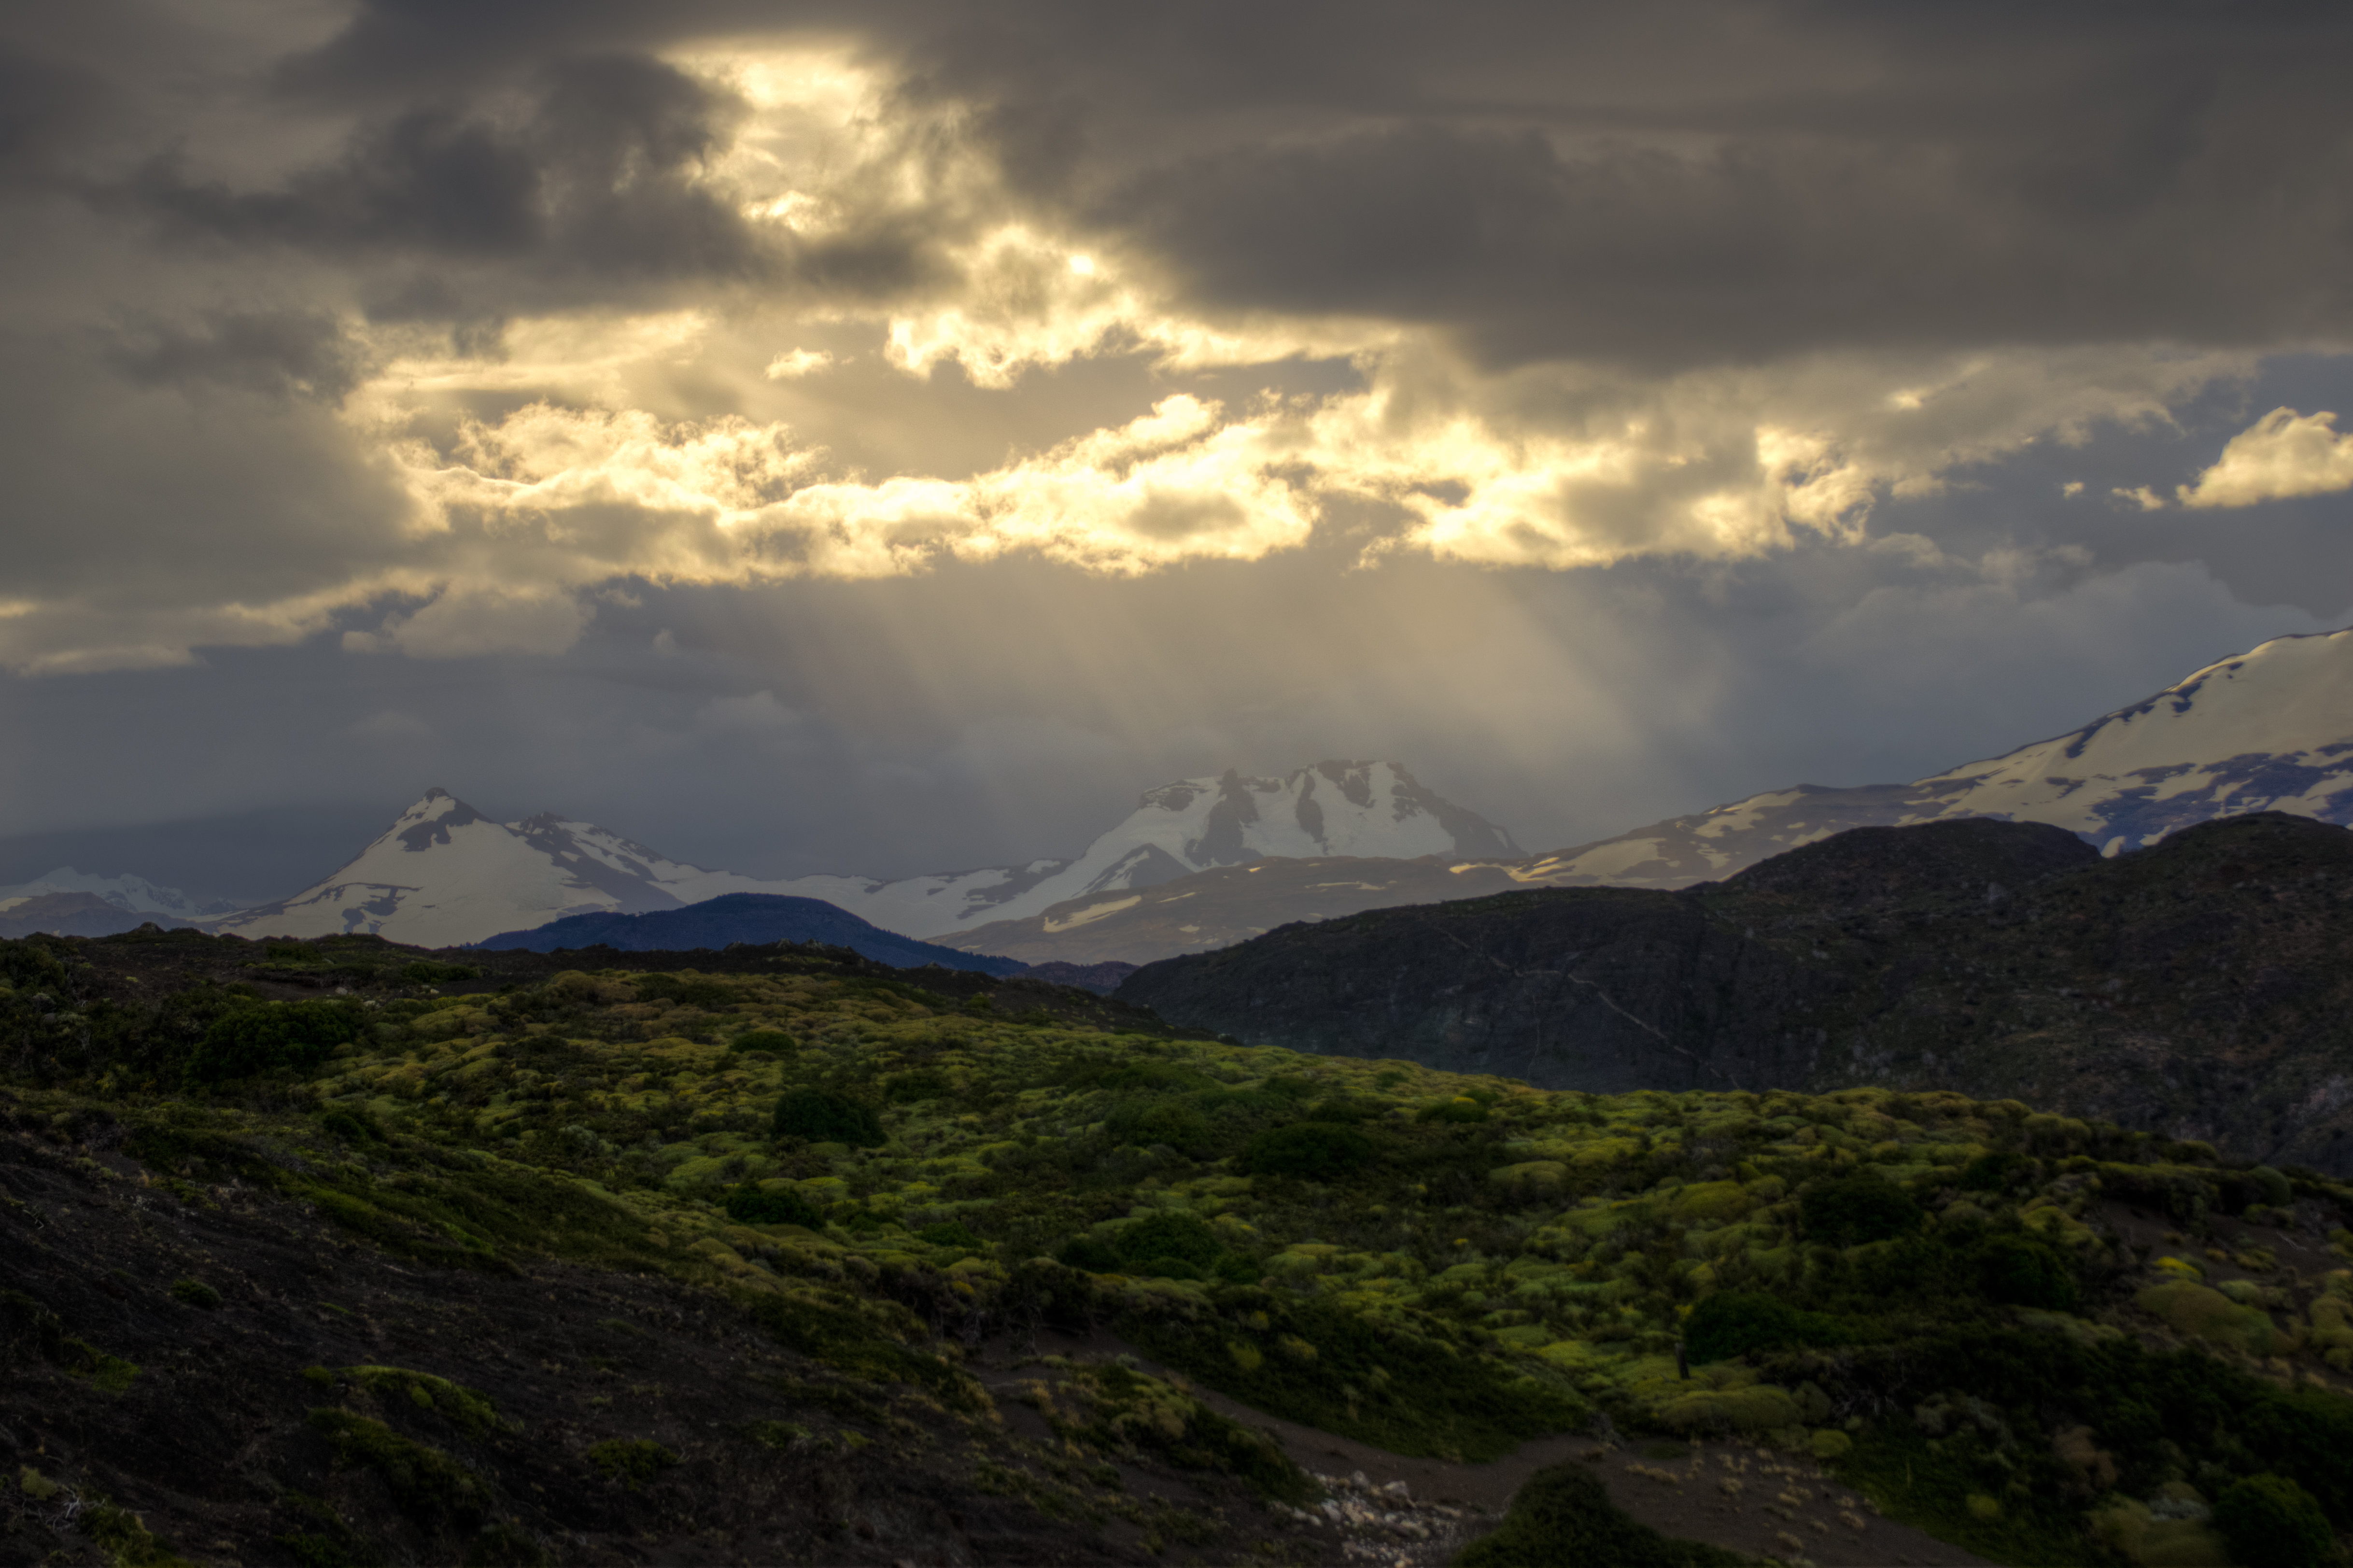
889,438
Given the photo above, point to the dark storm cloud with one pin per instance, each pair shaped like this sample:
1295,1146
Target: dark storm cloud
586,166
302,354
44,104
1689,183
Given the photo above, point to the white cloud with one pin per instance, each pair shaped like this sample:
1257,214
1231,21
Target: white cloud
2281,455
800,362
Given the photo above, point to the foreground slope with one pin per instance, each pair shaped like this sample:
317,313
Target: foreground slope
2202,986
651,1263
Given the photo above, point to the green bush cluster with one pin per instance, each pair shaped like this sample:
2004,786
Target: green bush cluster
2018,1272
916,1087
1850,1211
1315,1150
635,1462
821,1116
272,1037
1171,1244
750,1205
1739,1323
2271,1522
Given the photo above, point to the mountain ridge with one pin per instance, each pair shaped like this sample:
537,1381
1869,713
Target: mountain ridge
2199,987
445,873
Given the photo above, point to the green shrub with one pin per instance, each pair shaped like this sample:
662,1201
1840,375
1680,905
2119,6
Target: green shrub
1170,1245
751,1205
1318,1150
1454,1110
772,1042
2276,1190
1989,1173
913,1088
711,996
1849,1210
433,972
289,1035
822,1117
1092,1254
1737,1323
1170,1236
2271,1522
196,1293
427,1482
350,1126
948,1233
632,1461
2023,1273
1145,1078
1161,1120
1563,1517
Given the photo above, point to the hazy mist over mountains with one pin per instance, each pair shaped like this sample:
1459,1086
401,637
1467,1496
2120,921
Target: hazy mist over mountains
2271,729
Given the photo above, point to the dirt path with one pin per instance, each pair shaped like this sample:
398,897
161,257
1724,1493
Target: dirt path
1734,1495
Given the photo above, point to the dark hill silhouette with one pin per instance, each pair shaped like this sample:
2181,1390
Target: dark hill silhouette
755,918
2200,987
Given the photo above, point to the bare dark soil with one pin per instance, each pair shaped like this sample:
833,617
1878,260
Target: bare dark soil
198,1419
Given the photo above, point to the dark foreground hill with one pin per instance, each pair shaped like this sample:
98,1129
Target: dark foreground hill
2202,988
333,1253
760,918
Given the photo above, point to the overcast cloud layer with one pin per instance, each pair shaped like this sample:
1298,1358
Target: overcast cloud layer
888,436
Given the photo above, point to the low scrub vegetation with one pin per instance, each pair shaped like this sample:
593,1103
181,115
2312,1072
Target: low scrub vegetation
1935,1291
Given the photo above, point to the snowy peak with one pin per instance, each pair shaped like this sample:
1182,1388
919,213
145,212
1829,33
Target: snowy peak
444,874
1334,808
131,894
2267,730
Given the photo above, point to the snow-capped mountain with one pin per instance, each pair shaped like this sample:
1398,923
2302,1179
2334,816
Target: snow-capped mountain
445,874
131,894
2269,730
1366,808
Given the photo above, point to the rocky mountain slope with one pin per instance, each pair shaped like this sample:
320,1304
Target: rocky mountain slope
784,1258
1230,903
2268,730
2202,986
1365,810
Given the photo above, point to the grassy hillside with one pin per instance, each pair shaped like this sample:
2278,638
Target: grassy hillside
2049,1340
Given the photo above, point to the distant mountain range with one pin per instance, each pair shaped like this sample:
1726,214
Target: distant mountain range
1204,863
444,875
2270,730
1361,809
70,903
754,917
